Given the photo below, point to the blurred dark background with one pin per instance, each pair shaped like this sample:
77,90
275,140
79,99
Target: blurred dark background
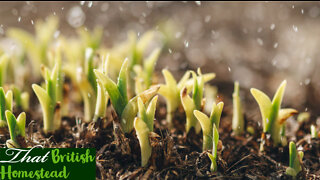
258,44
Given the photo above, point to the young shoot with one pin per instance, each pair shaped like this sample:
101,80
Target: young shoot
295,160
126,109
144,74
16,129
273,117
171,90
143,125
37,46
237,118
101,102
4,59
213,156
195,103
314,132
21,99
208,123
5,104
50,97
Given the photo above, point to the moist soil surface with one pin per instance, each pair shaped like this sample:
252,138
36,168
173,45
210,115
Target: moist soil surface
177,155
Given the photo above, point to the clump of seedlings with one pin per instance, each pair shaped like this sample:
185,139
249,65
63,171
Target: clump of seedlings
124,74
171,90
210,126
208,123
16,129
195,103
295,160
143,125
273,117
50,97
125,108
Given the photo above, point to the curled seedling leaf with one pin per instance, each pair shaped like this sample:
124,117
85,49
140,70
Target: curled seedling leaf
50,97
5,104
295,159
273,118
143,125
237,118
16,130
208,122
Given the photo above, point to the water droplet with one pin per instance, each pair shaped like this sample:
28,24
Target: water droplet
260,41
229,69
170,51
300,148
307,81
198,3
32,22
272,26
89,95
90,3
207,18
302,11
268,136
82,3
178,35
259,30
275,45
292,6
295,28
76,17
186,43
19,18
56,34
306,109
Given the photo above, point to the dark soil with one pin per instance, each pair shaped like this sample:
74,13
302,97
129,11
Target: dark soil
177,155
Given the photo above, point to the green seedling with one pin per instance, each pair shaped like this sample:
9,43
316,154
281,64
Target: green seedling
50,97
144,73
213,156
21,99
91,39
16,130
237,118
4,59
208,123
314,132
273,118
143,125
295,160
171,90
195,103
5,104
126,109
101,102
37,46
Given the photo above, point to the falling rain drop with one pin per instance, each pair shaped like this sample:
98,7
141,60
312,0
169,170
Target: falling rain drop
186,43
272,26
76,17
295,28
229,69
275,45
198,3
